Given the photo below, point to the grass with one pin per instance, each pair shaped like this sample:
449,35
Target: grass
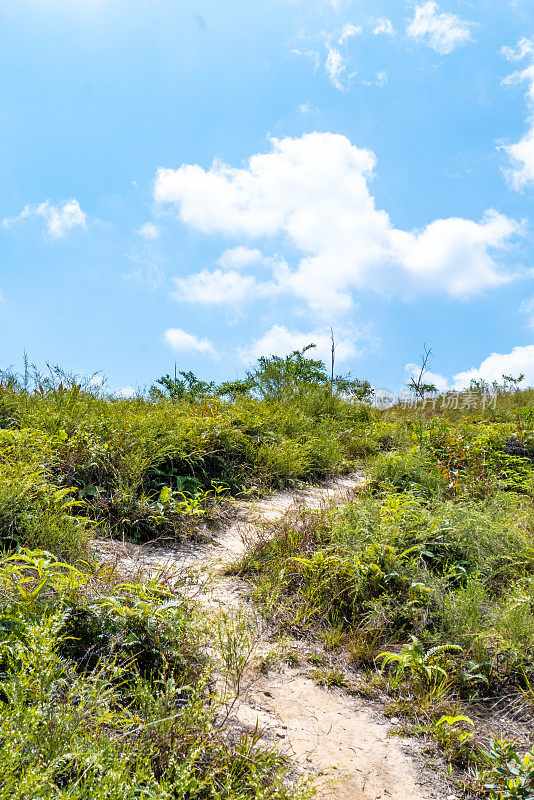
425,580
105,694
107,686
147,469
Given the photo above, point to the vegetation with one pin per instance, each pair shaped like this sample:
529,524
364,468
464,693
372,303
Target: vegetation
72,457
105,694
426,578
106,685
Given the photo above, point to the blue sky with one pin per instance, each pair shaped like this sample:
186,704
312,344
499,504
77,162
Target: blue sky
207,182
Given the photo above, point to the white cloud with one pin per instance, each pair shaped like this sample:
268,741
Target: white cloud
520,360
524,47
126,392
239,257
307,108
219,288
440,381
313,192
335,67
442,32
280,341
380,80
335,61
185,342
384,26
59,219
521,153
149,231
349,30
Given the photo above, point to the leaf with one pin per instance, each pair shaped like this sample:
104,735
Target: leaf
447,720
165,495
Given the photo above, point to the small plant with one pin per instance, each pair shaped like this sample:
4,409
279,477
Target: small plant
331,676
509,775
333,637
454,735
317,659
193,504
428,667
237,637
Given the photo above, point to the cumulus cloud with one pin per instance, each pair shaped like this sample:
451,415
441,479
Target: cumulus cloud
239,257
220,287
149,231
520,360
443,32
384,27
59,219
521,153
184,342
281,341
313,193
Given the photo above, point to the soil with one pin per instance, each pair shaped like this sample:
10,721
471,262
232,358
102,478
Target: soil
341,742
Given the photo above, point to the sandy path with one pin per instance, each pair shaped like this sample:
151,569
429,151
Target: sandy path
341,741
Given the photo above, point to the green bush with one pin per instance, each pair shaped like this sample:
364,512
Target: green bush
397,565
104,693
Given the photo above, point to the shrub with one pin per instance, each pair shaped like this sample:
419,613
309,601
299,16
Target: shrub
104,692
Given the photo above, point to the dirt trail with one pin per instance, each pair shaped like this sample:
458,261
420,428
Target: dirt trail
342,741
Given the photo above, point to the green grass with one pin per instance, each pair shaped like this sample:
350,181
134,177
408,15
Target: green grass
105,694
426,578
105,686
116,457
387,567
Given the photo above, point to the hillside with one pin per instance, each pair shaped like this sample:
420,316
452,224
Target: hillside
415,592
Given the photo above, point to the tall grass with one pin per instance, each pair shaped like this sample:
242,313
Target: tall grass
426,577
104,693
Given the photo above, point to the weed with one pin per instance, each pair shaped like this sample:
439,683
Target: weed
237,636
508,775
454,735
427,667
330,676
104,690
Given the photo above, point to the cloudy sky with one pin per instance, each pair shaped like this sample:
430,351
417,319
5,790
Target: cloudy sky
207,182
